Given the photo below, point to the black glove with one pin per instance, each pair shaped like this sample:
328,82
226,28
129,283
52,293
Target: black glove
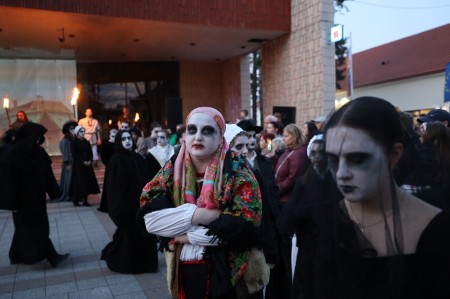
158,202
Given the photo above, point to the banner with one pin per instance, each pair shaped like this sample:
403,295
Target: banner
447,83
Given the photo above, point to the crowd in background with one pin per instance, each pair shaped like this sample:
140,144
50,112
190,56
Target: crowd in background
301,204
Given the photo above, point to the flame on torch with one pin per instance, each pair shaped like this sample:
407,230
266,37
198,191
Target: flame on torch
6,103
136,117
76,92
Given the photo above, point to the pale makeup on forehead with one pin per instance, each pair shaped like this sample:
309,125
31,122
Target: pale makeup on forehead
357,162
202,122
240,144
127,141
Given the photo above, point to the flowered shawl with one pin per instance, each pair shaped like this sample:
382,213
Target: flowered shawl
235,192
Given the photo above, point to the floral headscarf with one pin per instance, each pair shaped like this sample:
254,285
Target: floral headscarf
185,173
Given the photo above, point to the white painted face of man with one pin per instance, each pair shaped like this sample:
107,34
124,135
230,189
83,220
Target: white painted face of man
125,126
317,155
202,136
112,135
162,139
240,145
127,142
72,130
251,140
81,133
358,163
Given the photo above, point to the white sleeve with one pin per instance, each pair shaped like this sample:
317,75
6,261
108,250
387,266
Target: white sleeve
197,236
170,222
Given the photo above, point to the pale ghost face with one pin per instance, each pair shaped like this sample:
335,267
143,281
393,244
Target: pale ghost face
202,136
317,154
162,139
81,133
155,132
358,163
240,145
72,130
127,141
124,126
112,136
251,140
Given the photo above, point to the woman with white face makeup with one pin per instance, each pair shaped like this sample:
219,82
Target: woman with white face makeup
130,251
83,180
207,201
386,243
162,151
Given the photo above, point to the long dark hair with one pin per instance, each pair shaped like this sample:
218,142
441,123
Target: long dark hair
375,116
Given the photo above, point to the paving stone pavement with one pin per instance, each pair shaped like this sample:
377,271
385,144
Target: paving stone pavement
82,232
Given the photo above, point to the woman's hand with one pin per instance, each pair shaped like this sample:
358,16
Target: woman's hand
204,216
182,239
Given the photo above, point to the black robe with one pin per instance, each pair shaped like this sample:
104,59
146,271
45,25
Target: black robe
107,152
83,180
131,250
30,178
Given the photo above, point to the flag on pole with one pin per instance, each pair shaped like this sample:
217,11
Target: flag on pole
349,69
447,83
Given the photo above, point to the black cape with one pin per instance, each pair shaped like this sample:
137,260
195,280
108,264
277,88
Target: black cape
131,250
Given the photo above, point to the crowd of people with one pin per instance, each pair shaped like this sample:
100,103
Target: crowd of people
350,205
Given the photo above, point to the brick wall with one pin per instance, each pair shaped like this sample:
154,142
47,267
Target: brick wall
298,68
260,14
231,70
201,85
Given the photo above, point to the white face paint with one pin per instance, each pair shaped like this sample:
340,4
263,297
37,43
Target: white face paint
81,133
202,136
155,131
72,130
125,126
112,136
317,155
358,163
251,140
240,145
127,142
162,139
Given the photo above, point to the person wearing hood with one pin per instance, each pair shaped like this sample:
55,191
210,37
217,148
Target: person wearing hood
30,178
131,250
67,163
83,180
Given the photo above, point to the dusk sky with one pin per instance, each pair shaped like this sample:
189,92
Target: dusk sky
373,23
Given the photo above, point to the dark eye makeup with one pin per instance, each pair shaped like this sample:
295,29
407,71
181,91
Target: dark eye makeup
206,130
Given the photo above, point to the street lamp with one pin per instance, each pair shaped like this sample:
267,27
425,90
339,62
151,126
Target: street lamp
73,102
6,107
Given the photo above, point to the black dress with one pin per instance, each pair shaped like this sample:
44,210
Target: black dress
131,250
355,271
30,179
107,152
83,180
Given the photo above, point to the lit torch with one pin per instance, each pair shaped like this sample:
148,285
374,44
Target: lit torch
136,117
6,107
73,102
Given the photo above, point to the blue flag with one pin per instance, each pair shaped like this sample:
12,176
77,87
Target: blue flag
447,83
